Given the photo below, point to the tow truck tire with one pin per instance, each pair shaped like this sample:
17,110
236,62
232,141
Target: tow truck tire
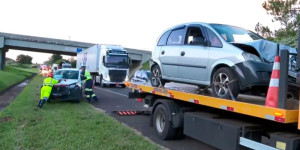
162,123
224,74
156,76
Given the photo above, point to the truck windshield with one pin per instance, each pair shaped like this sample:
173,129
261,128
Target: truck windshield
120,61
235,34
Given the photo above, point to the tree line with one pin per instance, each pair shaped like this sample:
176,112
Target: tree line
287,13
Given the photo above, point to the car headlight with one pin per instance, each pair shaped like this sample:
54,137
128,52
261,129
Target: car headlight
106,77
72,86
249,56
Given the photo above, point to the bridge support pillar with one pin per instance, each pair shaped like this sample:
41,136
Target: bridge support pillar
2,58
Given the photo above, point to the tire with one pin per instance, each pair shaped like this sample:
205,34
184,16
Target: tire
161,123
123,86
156,77
78,99
101,82
224,75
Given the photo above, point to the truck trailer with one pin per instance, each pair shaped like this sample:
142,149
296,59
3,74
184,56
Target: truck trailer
227,124
108,64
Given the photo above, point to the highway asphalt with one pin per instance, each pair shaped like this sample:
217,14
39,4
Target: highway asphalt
116,99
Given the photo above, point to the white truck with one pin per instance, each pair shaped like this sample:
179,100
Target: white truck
108,64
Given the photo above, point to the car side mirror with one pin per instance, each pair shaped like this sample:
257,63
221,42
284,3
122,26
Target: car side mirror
103,60
129,61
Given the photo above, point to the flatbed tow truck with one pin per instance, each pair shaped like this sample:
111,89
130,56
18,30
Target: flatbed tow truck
224,124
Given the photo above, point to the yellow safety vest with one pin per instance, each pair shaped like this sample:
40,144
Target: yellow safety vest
49,82
87,75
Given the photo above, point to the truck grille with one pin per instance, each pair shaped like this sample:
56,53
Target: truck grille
117,75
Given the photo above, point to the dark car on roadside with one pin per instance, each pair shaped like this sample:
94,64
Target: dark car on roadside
70,87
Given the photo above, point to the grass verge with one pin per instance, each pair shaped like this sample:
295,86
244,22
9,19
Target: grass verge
62,126
146,65
11,76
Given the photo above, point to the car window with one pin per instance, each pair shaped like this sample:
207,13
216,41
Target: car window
213,38
163,39
66,74
144,76
194,36
176,37
138,74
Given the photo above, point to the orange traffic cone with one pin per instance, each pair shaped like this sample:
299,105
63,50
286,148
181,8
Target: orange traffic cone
273,91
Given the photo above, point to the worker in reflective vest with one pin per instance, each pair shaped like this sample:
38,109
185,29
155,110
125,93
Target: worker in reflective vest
46,89
86,76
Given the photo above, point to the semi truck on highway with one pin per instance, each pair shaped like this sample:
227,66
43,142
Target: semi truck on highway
108,64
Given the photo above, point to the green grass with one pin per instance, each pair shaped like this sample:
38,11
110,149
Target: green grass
25,67
32,70
146,66
62,126
11,76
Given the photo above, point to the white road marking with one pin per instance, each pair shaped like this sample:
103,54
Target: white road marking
112,92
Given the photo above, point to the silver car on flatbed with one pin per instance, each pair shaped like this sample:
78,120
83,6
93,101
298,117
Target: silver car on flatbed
221,56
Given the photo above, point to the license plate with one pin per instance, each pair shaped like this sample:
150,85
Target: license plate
117,83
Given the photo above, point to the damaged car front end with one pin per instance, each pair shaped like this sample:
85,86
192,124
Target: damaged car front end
70,87
260,51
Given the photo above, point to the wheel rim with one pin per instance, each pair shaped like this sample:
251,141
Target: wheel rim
156,76
220,86
160,122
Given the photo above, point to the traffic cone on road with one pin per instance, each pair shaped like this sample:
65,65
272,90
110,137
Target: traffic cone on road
273,91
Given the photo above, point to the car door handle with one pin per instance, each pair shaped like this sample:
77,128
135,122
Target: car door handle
163,52
182,53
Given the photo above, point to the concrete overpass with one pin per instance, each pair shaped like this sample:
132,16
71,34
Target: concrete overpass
66,47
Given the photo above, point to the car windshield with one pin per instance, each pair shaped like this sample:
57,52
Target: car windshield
235,34
120,61
66,74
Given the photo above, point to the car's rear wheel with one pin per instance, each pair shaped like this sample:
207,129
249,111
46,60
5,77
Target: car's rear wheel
223,81
156,77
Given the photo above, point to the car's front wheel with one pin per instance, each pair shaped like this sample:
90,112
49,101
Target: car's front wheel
223,81
156,77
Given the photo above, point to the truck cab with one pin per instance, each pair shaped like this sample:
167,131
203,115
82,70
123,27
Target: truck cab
108,64
113,66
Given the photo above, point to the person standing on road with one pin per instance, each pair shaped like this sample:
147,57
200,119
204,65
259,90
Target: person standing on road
86,76
46,89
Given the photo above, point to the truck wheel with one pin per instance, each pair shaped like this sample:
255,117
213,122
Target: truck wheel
101,82
219,87
162,124
156,77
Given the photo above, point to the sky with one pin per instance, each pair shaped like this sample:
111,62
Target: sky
130,23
